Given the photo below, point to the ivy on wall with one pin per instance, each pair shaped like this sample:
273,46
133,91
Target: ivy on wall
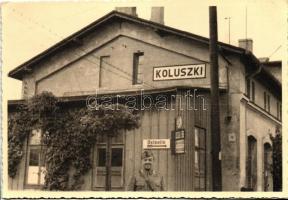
68,134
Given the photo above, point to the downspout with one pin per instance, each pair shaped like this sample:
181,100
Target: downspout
228,113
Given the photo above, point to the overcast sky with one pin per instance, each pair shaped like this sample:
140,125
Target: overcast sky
30,28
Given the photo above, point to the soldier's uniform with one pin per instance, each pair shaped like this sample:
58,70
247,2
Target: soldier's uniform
146,181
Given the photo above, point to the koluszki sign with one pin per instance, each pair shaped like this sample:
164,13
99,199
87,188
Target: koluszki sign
179,72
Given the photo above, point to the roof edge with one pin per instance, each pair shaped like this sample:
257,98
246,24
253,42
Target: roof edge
14,72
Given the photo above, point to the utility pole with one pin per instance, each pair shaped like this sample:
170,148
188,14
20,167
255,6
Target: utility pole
215,115
229,18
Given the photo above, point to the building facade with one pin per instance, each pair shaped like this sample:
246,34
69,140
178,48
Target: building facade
122,54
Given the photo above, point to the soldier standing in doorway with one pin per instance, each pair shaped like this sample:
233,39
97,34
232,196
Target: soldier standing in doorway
146,179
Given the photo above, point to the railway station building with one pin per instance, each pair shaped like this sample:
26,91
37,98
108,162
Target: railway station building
123,54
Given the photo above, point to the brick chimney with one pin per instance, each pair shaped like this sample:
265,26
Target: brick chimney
246,44
127,10
157,15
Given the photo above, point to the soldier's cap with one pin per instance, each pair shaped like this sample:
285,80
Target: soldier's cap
147,154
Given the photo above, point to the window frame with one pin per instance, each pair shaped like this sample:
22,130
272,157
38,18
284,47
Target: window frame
136,65
253,91
119,171
268,103
251,164
248,88
267,152
40,158
198,149
265,100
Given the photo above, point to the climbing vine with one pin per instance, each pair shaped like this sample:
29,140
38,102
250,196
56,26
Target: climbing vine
67,134
18,131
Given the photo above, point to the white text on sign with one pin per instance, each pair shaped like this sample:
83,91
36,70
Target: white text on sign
179,72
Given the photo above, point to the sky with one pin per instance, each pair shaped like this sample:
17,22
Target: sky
31,27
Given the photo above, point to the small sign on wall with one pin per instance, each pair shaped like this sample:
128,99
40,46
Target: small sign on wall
156,143
178,141
179,72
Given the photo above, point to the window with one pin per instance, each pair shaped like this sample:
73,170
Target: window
117,160
251,165
266,102
200,159
138,68
253,91
104,71
248,87
279,110
116,157
36,160
268,182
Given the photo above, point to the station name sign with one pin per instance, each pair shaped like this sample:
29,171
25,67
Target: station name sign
179,72
156,143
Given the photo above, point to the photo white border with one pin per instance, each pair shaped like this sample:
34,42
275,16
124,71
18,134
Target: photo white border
93,194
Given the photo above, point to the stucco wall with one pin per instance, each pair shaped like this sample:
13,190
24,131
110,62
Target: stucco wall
80,62
259,97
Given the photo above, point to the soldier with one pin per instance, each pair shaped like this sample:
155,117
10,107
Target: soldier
146,179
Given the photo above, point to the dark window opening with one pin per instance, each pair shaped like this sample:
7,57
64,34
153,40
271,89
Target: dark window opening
248,87
265,101
138,68
116,157
253,91
268,103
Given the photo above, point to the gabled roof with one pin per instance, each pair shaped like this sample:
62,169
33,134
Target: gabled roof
18,72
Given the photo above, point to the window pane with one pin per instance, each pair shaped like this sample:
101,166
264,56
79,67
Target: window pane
34,157
202,161
137,65
202,138
101,157
196,137
42,158
199,158
117,155
33,174
196,160
116,159
35,138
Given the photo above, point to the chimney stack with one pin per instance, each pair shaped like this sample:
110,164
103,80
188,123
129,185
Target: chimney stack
157,15
246,44
127,10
